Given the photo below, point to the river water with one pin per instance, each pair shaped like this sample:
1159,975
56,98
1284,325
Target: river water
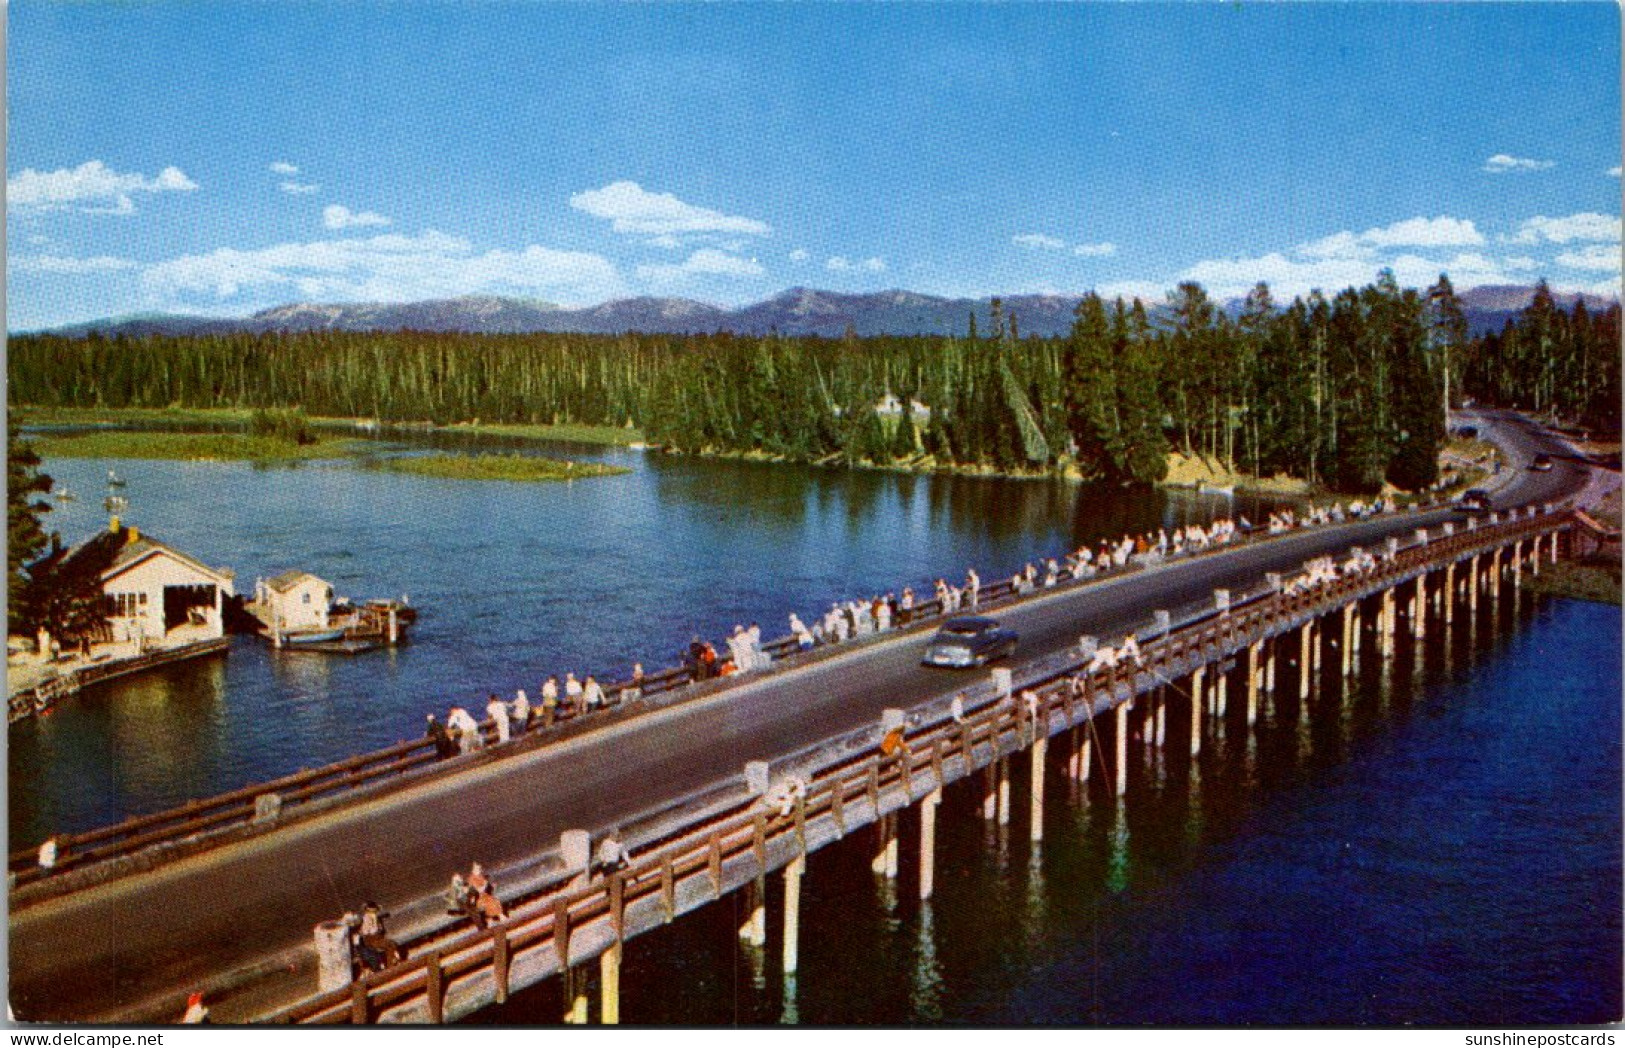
1441,846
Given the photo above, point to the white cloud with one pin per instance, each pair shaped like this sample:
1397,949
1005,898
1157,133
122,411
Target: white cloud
665,240
1100,250
300,188
337,216
874,265
1425,232
1605,257
704,262
1040,241
389,267
1614,171
798,255
1520,262
282,167
1501,163
1585,225
92,187
62,265
838,264
632,209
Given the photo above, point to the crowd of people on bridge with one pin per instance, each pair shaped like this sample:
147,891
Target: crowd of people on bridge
746,652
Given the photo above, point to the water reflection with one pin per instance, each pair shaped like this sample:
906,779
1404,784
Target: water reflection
1117,870
926,987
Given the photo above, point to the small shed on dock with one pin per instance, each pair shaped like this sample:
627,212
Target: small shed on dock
295,600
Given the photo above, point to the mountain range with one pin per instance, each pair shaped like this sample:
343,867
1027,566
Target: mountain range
798,311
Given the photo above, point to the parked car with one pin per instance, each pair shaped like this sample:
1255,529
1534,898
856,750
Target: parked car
1542,464
1474,500
970,641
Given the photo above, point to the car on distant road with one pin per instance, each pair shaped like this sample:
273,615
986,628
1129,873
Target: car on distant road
1474,500
1542,464
971,640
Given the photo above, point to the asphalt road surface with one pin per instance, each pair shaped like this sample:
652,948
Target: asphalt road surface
149,938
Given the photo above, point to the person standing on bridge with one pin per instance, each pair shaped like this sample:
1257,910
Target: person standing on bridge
436,733
804,637
973,587
467,730
520,712
592,696
572,694
497,710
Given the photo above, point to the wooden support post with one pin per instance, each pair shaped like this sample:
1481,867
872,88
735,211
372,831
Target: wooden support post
928,843
1004,791
1534,555
1387,620
1450,593
990,791
1160,711
1314,646
1253,673
792,911
1517,564
1495,575
1120,782
892,837
575,997
1473,586
1036,830
1347,647
754,927
609,985
1271,657
1083,759
1419,618
1305,659
1196,710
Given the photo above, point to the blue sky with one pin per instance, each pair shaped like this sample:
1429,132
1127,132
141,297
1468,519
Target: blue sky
216,158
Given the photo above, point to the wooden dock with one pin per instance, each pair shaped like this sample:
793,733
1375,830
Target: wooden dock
28,702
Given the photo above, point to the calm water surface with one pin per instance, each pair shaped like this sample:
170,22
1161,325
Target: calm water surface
515,581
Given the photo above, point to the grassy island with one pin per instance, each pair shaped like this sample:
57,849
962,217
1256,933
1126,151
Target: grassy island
190,447
523,468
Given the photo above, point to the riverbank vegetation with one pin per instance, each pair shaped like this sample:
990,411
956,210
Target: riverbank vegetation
525,468
1345,392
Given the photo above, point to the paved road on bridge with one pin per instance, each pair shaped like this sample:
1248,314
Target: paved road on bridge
151,937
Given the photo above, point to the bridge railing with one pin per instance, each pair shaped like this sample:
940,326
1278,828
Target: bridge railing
932,753
264,802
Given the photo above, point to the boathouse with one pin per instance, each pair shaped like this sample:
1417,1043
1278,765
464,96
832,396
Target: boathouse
295,600
152,594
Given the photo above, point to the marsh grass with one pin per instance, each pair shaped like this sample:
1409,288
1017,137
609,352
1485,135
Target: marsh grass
522,468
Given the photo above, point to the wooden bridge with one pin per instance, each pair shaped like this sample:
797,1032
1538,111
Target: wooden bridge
1238,623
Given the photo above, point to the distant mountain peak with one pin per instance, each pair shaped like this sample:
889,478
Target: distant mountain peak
793,311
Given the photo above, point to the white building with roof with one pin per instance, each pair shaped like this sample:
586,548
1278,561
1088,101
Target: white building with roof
295,600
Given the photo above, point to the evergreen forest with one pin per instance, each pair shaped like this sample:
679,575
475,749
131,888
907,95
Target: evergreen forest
1347,392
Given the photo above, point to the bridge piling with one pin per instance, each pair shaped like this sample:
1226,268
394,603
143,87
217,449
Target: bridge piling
792,910
1120,781
609,985
1419,607
1253,672
1305,659
928,844
1161,716
1036,812
1473,586
1004,791
1450,593
753,930
990,794
1196,710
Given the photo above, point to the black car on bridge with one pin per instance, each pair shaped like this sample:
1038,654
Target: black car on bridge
1474,500
969,641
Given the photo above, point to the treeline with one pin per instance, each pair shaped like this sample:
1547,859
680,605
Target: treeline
1550,360
1347,391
